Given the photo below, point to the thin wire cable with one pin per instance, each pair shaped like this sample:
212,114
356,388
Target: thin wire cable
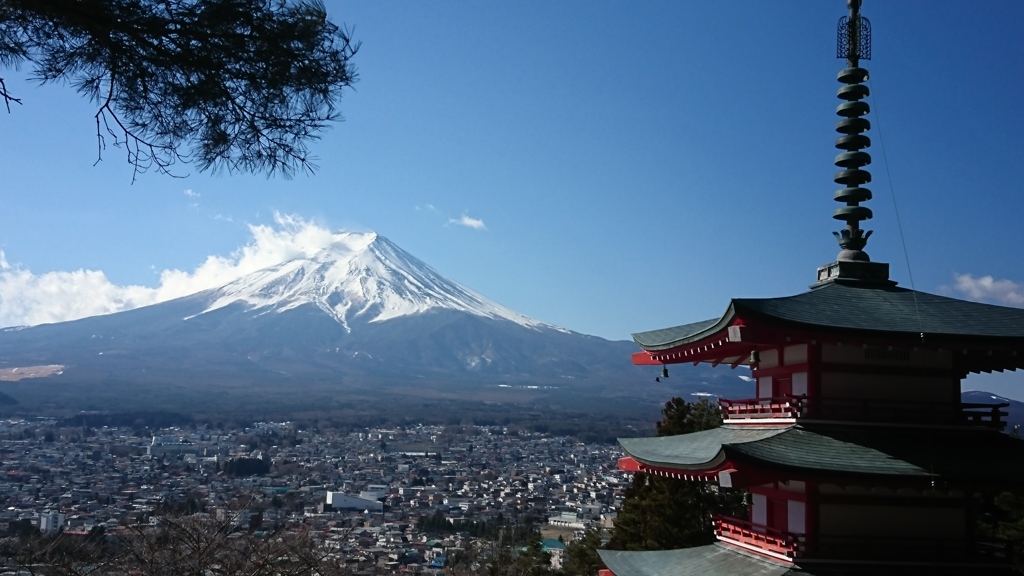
895,207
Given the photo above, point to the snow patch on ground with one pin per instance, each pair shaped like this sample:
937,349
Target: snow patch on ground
23,372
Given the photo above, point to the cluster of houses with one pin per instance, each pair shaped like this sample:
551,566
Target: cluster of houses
365,496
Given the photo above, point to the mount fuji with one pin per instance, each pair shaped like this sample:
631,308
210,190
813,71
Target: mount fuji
360,278
360,314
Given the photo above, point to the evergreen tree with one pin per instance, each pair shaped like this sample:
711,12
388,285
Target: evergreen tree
247,467
581,557
660,513
241,85
681,417
532,558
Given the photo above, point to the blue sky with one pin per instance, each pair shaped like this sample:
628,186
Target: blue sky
605,166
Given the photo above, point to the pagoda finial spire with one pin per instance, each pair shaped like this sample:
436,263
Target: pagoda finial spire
853,44
853,264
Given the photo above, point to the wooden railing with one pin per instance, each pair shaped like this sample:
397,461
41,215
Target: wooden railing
779,543
866,410
761,408
755,536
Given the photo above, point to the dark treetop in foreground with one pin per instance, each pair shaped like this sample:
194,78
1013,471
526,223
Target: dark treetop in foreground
241,85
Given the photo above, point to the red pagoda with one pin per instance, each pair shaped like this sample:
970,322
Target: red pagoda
856,451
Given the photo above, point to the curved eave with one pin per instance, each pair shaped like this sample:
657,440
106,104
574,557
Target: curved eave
668,338
629,464
706,341
728,340
701,452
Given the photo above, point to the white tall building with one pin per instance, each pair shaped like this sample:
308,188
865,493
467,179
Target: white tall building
50,521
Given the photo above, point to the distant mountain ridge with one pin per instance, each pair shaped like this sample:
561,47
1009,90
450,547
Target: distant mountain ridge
360,314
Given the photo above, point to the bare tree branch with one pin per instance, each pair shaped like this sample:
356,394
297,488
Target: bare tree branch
8,98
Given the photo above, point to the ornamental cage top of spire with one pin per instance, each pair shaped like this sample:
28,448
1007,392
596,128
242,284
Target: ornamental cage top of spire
853,44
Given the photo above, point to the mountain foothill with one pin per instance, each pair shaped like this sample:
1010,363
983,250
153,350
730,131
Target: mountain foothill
359,323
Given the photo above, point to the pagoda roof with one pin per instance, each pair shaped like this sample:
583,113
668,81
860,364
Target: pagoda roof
696,450
867,309
927,453
709,560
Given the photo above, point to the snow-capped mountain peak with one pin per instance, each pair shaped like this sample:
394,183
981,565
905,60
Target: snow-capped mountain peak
359,276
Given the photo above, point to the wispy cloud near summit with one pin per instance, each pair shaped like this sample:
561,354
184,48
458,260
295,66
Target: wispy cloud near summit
468,222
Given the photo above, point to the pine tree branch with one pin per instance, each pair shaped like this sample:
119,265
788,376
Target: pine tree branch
240,85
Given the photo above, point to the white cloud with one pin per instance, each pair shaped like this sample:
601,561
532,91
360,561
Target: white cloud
30,299
464,220
190,193
989,289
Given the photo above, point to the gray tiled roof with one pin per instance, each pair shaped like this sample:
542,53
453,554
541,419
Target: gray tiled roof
655,338
871,308
710,560
696,450
980,455
802,449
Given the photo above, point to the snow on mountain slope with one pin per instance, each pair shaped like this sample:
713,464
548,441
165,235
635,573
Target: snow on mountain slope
360,276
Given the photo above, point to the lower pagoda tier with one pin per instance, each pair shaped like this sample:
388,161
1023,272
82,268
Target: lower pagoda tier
913,456
724,560
842,494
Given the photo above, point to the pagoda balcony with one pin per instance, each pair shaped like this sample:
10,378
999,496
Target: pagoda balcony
790,546
758,538
779,407
876,411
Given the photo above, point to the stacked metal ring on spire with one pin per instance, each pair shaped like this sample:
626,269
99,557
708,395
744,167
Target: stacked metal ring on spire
853,159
